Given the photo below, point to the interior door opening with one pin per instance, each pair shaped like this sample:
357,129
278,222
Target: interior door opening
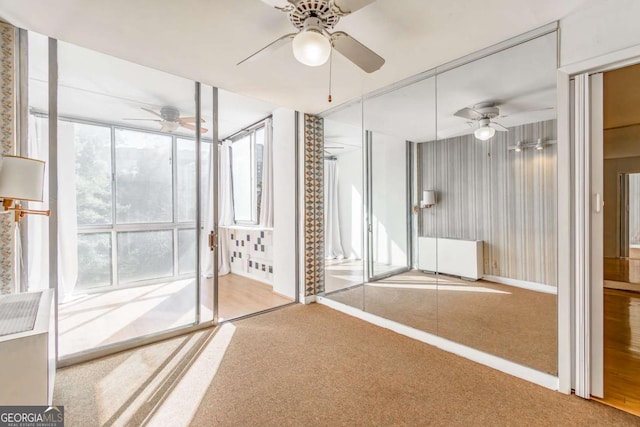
621,238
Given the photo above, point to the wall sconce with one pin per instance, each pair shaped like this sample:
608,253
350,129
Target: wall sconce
21,178
538,145
428,200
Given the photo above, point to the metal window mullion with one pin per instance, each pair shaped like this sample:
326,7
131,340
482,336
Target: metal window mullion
174,198
53,180
254,180
215,176
115,280
198,171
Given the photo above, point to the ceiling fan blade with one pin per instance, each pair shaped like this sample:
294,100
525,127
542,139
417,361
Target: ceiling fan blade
189,120
193,128
144,120
469,113
529,112
356,52
350,6
152,112
334,148
271,47
497,126
278,4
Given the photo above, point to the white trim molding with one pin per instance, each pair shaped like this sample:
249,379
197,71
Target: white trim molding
582,195
495,362
532,286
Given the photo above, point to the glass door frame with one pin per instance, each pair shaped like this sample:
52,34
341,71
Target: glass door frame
53,225
370,274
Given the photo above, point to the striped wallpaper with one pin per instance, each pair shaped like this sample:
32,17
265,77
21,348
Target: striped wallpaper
504,198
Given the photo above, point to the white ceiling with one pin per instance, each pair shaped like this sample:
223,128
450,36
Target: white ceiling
520,81
204,39
97,87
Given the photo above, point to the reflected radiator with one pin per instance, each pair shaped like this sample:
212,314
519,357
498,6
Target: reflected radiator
457,257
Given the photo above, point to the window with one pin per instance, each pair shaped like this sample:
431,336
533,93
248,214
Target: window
246,174
136,203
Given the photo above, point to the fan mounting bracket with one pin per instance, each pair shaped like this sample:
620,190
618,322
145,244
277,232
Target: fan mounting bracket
487,109
324,10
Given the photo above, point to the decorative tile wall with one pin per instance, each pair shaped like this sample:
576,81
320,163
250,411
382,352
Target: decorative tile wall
251,253
7,111
313,203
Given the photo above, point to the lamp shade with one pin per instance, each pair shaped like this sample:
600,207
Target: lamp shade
311,48
484,133
21,178
428,197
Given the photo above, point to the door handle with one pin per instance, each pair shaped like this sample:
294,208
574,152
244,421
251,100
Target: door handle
213,241
599,203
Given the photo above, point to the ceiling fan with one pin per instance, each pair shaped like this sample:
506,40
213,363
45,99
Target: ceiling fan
483,114
170,120
312,42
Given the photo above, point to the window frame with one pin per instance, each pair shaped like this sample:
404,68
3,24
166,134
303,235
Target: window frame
114,228
254,202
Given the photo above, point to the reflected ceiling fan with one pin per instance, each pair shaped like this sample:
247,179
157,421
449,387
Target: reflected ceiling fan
170,120
312,42
326,149
483,114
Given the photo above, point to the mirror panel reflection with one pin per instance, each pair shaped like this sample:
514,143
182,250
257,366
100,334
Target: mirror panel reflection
496,222
394,122
459,208
344,206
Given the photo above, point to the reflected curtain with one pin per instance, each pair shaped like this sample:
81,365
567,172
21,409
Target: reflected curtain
225,203
266,199
333,243
38,227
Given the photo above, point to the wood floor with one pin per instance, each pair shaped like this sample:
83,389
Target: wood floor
622,349
240,296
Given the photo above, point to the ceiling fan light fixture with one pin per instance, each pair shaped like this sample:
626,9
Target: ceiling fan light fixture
168,126
484,132
310,46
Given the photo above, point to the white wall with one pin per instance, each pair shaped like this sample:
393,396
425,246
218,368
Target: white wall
284,213
350,202
598,28
389,187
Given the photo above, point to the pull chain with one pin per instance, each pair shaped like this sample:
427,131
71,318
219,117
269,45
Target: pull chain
330,72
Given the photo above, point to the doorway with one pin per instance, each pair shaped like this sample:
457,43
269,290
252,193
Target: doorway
615,181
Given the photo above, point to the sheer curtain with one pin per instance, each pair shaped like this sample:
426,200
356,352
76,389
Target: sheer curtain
333,242
266,199
38,227
225,203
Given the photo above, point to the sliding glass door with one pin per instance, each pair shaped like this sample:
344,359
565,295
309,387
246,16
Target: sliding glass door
140,229
388,209
132,148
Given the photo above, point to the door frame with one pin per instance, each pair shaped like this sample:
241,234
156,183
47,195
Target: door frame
370,275
575,293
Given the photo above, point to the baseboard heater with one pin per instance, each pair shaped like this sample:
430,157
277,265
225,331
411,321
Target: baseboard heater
456,257
27,348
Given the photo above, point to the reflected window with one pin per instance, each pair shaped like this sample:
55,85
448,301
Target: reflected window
247,157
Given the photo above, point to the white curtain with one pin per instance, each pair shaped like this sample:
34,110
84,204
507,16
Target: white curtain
225,207
266,199
37,247
38,227
333,242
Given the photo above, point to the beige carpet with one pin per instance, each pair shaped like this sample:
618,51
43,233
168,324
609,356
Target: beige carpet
513,323
309,366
